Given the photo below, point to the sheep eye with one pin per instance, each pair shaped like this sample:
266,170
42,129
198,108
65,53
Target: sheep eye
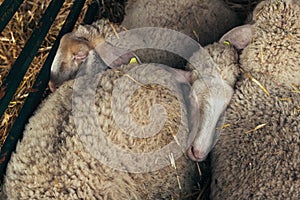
83,38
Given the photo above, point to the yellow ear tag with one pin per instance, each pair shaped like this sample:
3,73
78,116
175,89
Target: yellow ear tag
132,60
226,42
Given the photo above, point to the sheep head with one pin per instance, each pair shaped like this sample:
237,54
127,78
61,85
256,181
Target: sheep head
214,73
75,47
268,46
74,50
71,53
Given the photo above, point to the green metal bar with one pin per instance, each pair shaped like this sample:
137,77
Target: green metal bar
91,13
36,96
18,70
7,9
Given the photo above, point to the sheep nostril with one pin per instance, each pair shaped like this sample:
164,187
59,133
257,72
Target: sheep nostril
195,152
197,155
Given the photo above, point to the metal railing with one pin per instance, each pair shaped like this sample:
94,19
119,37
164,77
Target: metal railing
22,63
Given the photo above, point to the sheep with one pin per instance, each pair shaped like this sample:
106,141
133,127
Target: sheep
204,21
222,91
257,154
54,162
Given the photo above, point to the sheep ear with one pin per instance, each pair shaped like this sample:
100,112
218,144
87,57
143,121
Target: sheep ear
257,10
239,36
79,56
112,55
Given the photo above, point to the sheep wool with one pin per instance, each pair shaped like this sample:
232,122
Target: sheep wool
204,21
102,28
53,162
257,155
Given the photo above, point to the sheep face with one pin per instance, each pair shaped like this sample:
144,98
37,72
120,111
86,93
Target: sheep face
71,53
75,47
213,96
214,72
74,50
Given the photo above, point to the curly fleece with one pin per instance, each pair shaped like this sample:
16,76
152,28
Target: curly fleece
257,155
51,161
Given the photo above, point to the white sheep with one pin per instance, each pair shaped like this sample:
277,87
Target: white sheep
56,159
205,21
257,155
72,44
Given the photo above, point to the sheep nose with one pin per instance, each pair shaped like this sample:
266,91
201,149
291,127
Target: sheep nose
52,86
195,154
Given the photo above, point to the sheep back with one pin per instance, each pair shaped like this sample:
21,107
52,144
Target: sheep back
275,45
257,154
52,161
204,21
